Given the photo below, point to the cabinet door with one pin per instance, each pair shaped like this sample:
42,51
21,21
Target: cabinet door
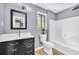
26,47
8,48
12,47
29,47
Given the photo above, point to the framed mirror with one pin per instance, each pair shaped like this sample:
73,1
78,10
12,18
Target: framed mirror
18,19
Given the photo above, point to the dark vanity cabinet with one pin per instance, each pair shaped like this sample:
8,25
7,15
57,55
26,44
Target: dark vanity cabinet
17,47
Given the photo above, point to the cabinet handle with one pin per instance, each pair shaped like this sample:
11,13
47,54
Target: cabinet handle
29,41
14,44
29,51
14,50
29,46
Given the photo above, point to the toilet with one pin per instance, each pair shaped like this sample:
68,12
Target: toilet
47,45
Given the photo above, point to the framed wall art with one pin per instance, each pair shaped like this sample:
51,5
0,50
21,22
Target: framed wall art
18,19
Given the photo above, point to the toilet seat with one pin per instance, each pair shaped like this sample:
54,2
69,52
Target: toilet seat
48,44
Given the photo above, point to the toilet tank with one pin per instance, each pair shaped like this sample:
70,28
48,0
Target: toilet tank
43,37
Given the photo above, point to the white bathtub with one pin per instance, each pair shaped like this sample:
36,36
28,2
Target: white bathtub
65,33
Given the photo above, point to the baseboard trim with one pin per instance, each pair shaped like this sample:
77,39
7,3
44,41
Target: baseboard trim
60,50
39,48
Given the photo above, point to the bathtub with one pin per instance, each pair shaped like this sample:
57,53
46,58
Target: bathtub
65,34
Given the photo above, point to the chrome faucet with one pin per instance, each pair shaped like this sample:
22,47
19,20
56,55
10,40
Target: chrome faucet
21,25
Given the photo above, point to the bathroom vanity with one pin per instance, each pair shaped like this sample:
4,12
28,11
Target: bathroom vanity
17,45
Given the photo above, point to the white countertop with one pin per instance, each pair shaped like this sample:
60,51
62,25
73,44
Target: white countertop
14,36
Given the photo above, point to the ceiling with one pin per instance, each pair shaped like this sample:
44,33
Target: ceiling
55,7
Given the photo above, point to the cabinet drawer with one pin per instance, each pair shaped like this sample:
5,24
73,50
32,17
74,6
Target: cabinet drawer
12,43
29,52
29,46
29,40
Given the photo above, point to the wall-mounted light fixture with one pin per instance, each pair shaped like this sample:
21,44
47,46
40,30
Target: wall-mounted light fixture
24,7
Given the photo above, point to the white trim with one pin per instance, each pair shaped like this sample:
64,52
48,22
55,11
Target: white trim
66,46
41,13
62,51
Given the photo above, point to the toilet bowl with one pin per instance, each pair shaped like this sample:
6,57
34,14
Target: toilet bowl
47,44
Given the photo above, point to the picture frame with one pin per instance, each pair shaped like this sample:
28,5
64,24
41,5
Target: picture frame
18,19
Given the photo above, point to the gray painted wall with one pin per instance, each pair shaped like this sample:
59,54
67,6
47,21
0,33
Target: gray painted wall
31,19
1,18
51,15
67,13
